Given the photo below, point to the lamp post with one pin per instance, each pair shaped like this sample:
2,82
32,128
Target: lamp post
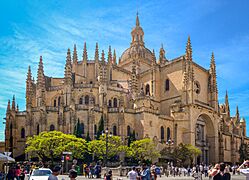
169,142
107,134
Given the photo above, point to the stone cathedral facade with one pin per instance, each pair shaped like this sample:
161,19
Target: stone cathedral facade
158,98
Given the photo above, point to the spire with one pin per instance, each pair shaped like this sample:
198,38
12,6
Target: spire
68,68
17,108
103,57
227,104
189,50
134,82
13,103
8,106
96,57
75,56
212,71
162,55
114,57
154,57
137,34
237,112
29,88
110,55
85,53
40,76
137,20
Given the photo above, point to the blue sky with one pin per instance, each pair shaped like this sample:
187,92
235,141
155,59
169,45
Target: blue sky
29,29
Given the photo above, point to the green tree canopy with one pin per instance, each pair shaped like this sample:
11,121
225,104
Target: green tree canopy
143,149
52,144
98,147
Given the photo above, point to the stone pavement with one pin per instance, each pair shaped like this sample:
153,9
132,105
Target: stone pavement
236,177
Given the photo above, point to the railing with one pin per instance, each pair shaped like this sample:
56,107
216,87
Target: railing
81,107
55,88
78,85
22,113
113,109
52,108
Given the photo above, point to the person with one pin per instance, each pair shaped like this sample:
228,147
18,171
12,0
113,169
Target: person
72,174
109,175
244,169
132,175
97,170
145,174
222,174
17,172
55,173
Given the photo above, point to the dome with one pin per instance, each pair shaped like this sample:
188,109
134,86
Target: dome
242,120
137,52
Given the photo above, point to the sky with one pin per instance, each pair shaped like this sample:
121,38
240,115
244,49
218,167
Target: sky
32,28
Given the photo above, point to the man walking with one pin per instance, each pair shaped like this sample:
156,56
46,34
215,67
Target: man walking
132,175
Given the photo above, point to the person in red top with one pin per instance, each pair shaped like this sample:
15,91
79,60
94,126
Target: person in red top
18,172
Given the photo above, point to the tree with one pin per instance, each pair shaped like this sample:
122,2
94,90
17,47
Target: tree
101,127
78,130
243,152
183,153
52,144
98,147
143,150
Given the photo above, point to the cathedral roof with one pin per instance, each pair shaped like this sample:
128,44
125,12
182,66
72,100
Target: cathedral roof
137,49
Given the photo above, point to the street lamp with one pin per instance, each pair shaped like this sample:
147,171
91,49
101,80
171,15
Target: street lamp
107,134
169,142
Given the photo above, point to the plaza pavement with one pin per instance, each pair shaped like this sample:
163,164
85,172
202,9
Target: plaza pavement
235,177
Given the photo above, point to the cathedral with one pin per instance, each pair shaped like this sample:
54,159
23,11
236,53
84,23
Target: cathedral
171,101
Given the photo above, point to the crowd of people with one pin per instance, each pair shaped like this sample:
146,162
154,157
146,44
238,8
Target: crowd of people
219,171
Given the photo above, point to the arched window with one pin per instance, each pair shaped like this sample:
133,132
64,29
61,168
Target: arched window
51,127
115,102
110,103
11,129
168,133
82,128
86,99
95,129
167,85
22,133
110,75
81,101
114,130
93,100
147,89
37,129
59,101
54,102
128,130
162,133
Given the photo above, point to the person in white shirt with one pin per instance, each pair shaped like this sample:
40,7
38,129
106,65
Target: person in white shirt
244,169
132,175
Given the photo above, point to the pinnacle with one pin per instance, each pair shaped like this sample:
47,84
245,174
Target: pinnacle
137,20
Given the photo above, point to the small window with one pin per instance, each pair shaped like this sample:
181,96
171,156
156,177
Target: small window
115,102
95,129
22,133
55,103
147,89
86,99
114,130
91,82
82,129
37,129
167,85
52,127
197,87
110,103
168,133
162,133
81,101
59,101
128,130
